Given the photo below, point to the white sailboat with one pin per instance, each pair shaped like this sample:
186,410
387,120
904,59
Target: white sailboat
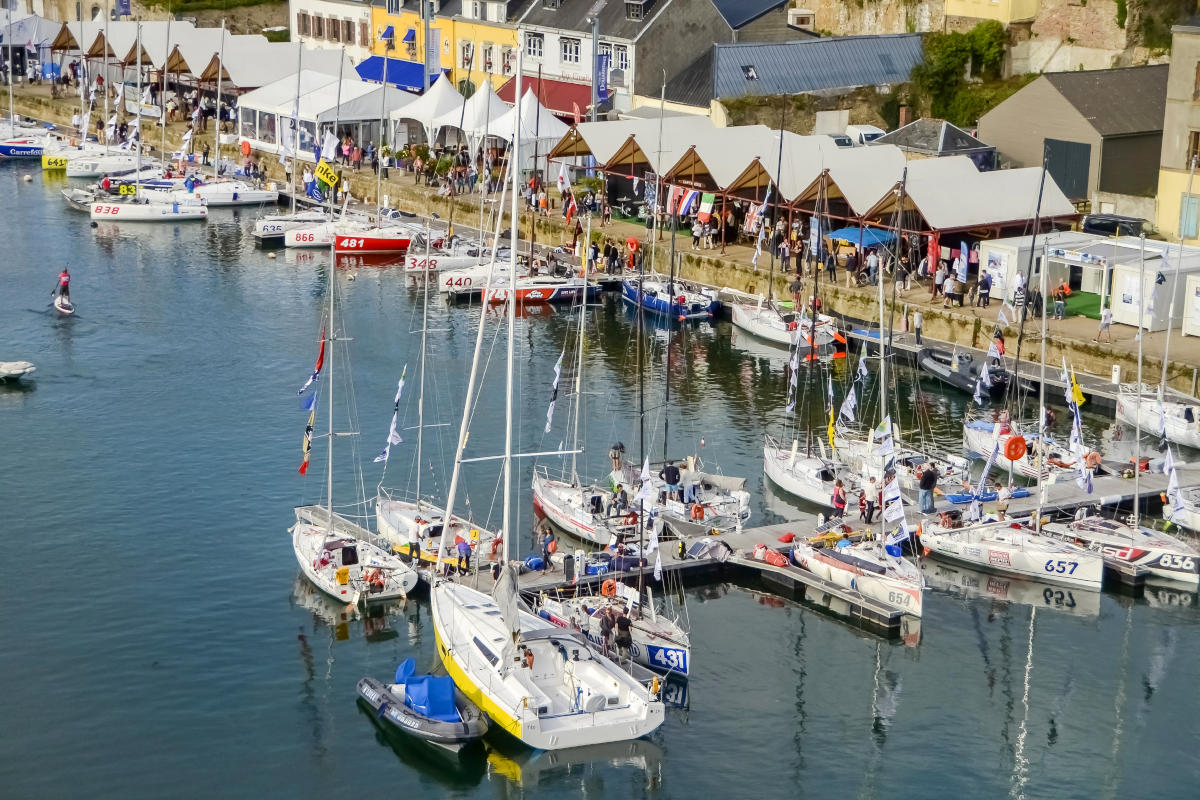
331,550
1010,548
548,687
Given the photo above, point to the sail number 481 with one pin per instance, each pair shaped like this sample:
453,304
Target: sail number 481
1061,567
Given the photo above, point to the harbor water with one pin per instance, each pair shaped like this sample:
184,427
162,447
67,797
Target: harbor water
160,642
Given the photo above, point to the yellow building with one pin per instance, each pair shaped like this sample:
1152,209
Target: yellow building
473,50
1003,11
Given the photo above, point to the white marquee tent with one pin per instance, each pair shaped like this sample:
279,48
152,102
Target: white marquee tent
476,117
441,98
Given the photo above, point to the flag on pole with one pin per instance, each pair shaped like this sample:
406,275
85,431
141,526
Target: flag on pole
898,536
306,445
564,177
979,396
706,206
863,372
1000,318
393,434
572,208
993,351
320,363
554,391
849,404
1076,392
644,492
329,147
658,572
689,199
1176,502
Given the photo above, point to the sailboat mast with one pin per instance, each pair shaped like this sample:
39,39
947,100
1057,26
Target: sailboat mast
1043,450
579,365
514,174
1162,385
217,103
512,325
137,153
641,416
1015,382
103,74
662,107
330,336
383,123
775,206
295,121
12,115
162,103
1141,336
421,387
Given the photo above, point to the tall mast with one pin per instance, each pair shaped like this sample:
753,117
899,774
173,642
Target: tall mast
383,125
12,116
295,122
775,206
641,416
1043,451
103,74
514,174
1162,385
1137,413
162,100
512,324
217,102
1021,313
137,165
421,388
662,107
331,337
579,365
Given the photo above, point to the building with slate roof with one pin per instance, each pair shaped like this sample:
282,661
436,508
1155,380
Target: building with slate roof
933,138
1101,132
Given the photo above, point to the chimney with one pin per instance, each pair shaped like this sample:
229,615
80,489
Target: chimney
905,115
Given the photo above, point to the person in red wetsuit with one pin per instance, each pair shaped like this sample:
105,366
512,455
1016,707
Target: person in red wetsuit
63,287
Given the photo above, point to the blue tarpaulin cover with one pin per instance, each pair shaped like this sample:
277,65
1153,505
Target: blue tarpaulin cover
870,236
433,696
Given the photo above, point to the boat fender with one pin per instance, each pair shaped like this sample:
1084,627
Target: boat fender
788,538
235,195
654,686
1015,448
681,300
529,659
793,325
609,588
631,518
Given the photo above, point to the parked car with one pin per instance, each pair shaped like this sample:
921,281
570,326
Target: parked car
1114,225
841,140
863,134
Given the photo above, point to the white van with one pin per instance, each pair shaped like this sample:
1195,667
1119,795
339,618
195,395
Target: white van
863,134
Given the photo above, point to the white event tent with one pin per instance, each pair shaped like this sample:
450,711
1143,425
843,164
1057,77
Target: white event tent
441,98
476,117
539,127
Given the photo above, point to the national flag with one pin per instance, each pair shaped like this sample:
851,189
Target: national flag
320,363
1076,392
849,404
690,196
393,434
658,571
554,391
706,206
329,147
572,208
306,445
674,194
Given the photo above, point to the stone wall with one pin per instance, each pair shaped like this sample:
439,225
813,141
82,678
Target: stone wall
843,18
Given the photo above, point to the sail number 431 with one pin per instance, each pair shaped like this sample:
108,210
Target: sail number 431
1061,567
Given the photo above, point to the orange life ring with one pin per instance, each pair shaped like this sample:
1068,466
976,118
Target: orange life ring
609,588
631,518
1014,449
496,546
697,511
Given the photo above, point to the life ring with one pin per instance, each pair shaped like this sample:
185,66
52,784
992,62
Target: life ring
631,518
697,511
496,546
1014,449
681,300
609,588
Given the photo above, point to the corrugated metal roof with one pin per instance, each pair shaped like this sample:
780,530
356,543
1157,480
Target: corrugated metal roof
813,65
740,12
1117,102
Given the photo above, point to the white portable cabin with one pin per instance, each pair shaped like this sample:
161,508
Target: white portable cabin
1004,259
1190,321
1164,290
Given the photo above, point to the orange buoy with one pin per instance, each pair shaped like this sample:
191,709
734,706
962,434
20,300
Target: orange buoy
1015,448
609,588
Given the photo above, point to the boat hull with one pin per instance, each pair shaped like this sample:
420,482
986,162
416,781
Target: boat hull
891,592
366,242
806,478
147,212
669,307
1178,428
1065,567
320,564
543,293
653,649
21,147
390,708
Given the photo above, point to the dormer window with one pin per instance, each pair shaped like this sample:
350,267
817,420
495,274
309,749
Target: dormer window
551,3
634,9
750,72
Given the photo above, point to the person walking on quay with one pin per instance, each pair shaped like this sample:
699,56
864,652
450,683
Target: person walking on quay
939,280
1060,301
605,213
949,285
1106,317
831,267
985,290
785,255
548,547
593,257
918,321
851,267
926,486
872,266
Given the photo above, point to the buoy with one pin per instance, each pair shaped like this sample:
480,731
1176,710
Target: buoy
702,443
94,225
350,277
270,255
27,178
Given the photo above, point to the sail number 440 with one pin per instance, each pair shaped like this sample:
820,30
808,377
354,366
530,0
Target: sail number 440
1061,567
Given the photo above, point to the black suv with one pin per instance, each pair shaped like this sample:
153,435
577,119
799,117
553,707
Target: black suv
1113,225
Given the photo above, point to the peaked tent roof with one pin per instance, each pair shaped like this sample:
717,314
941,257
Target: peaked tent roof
155,43
1117,102
628,142
31,29
477,115
933,137
805,159
319,97
76,36
441,97
249,62
191,54
536,121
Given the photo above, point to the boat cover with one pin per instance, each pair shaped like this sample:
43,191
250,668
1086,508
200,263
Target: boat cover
433,696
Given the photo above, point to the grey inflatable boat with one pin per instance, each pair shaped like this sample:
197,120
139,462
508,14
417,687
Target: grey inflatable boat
428,707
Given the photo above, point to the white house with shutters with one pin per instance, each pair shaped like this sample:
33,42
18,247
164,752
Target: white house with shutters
333,24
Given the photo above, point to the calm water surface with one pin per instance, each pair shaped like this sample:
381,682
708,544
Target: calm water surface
159,643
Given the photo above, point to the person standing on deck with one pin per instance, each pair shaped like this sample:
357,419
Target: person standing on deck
670,476
926,486
624,638
873,495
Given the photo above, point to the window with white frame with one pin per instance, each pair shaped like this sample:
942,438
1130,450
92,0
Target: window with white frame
468,53
393,6
478,9
534,44
488,62
569,50
620,58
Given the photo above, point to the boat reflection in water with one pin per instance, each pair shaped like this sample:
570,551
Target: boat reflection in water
338,617
454,769
964,582
528,769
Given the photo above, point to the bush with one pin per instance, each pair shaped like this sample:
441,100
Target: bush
941,76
